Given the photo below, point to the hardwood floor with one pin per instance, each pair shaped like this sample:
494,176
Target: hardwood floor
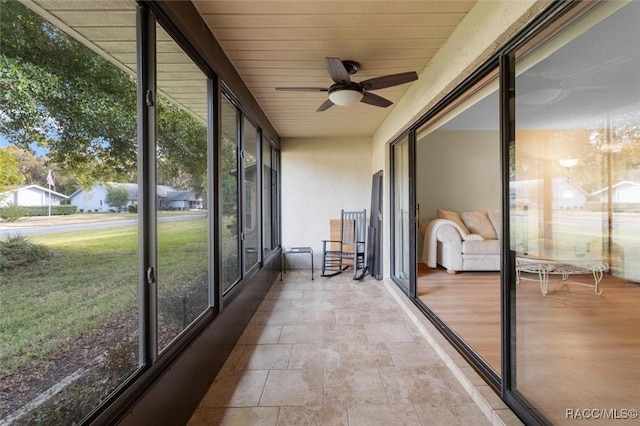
574,350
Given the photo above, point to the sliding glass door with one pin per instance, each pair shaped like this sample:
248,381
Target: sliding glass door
402,249
575,235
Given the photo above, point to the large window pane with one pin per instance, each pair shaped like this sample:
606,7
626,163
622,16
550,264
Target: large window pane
267,173
459,194
69,286
182,203
575,174
251,204
401,244
230,198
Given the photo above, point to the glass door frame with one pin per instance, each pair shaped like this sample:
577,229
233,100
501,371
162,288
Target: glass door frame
409,136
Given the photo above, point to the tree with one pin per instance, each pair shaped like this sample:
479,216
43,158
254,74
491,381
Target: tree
9,171
117,197
61,95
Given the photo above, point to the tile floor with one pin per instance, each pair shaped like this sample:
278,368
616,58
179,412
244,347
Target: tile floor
334,351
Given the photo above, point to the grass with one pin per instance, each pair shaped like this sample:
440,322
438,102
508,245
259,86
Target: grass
91,276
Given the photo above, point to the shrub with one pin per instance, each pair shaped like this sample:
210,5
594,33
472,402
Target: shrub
41,210
17,250
12,213
133,208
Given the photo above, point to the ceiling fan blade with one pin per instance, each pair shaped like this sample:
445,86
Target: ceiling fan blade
302,89
325,106
372,99
337,71
388,80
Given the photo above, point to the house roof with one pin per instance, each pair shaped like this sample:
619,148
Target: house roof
38,187
617,185
181,196
163,191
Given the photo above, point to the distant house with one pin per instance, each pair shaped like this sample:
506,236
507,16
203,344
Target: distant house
31,195
565,194
181,200
94,199
625,192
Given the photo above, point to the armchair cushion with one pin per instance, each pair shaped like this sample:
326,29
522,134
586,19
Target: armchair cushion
479,223
454,217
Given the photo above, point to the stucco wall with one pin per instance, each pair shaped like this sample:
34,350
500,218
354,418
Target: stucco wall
319,178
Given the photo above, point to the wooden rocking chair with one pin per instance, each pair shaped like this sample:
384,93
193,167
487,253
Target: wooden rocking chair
350,249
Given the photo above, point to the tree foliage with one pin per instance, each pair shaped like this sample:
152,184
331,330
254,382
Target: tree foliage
117,197
9,171
59,94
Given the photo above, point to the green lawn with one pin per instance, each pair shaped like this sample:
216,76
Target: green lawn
92,276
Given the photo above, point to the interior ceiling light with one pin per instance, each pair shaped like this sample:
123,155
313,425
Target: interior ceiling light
345,92
346,96
568,162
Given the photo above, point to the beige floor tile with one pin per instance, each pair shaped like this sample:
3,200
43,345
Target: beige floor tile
354,387
412,385
322,316
280,317
413,354
306,304
254,416
451,415
319,355
384,332
264,357
293,388
235,389
313,416
360,355
233,358
344,333
383,415
260,334
335,351
274,305
301,333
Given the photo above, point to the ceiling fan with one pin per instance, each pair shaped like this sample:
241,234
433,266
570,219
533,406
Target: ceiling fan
345,92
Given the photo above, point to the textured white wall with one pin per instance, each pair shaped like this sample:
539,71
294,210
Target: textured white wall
319,178
322,176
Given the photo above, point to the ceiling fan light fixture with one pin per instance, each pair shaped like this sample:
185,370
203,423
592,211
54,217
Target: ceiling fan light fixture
346,97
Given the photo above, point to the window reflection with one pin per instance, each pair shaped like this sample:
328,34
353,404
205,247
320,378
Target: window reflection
575,193
230,202
459,241
181,190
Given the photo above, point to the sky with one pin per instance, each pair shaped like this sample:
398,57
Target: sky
40,152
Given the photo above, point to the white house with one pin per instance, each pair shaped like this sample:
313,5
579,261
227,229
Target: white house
182,200
623,192
31,195
565,195
94,199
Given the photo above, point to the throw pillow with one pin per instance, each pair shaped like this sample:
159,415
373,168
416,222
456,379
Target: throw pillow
495,216
454,217
479,223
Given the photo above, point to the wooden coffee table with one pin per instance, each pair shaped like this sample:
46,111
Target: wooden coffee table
544,267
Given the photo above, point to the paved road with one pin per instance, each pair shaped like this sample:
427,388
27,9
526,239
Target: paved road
52,229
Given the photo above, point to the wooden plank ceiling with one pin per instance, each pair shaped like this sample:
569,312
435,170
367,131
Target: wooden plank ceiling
282,43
